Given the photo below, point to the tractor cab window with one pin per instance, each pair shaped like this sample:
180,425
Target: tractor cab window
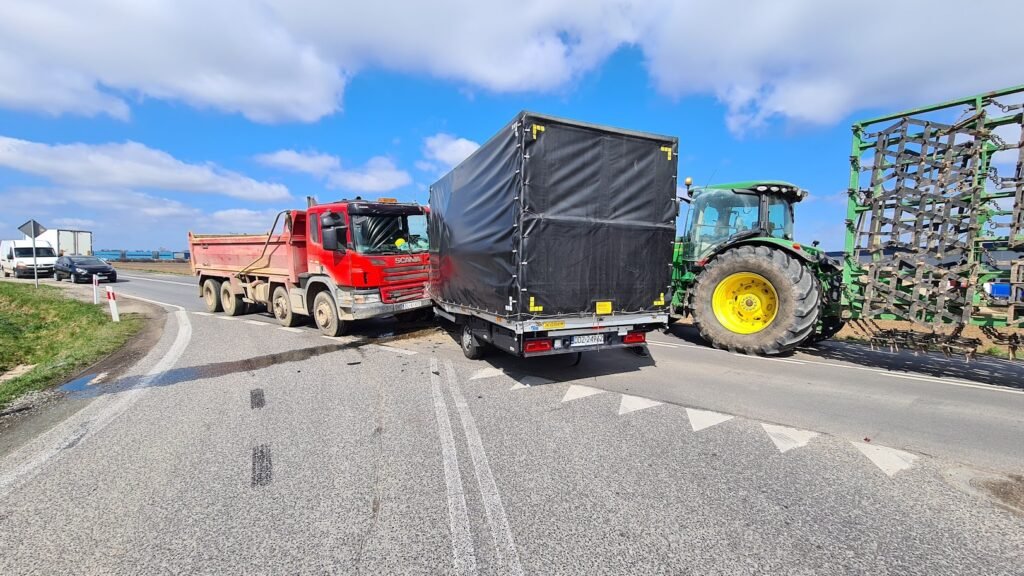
717,215
780,218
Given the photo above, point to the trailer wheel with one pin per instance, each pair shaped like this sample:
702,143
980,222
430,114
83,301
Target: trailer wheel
232,303
470,345
756,300
211,295
282,308
325,313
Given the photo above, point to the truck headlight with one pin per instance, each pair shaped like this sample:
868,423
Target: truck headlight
366,298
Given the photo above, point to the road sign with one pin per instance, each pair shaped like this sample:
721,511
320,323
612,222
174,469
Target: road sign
32,229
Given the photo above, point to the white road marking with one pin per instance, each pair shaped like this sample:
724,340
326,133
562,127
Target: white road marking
785,360
489,372
786,439
391,349
287,329
701,419
889,460
501,532
157,302
256,323
519,386
575,392
189,284
954,383
202,314
634,403
226,318
23,464
463,555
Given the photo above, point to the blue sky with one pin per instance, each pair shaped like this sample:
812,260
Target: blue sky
141,150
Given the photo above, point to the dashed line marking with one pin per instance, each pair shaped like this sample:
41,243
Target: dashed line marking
257,399
262,466
635,403
202,314
785,439
701,419
889,460
256,323
231,318
292,330
575,392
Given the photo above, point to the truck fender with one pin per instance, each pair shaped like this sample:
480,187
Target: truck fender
313,286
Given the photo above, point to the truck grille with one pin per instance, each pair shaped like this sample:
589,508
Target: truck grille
403,283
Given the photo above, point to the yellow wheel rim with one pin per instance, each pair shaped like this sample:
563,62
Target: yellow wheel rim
745,303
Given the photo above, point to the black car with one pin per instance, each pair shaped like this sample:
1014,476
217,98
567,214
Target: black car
82,268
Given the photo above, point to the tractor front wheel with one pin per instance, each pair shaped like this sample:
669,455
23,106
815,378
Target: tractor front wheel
756,300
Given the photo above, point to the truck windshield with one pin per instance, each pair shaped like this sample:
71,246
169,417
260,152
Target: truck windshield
390,234
41,252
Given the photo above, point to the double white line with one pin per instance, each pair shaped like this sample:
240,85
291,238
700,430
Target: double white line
497,521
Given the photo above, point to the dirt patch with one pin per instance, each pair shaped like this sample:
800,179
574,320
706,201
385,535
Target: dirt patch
180,268
1009,491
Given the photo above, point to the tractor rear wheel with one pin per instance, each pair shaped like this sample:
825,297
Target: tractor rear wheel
756,300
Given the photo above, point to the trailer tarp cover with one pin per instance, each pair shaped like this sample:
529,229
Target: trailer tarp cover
553,217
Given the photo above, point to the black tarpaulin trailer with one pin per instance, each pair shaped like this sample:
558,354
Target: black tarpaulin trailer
556,236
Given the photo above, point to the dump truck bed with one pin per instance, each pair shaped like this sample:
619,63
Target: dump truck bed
282,256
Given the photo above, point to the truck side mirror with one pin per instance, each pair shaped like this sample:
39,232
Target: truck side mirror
334,239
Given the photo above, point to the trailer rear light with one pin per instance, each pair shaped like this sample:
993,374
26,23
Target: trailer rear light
634,338
531,346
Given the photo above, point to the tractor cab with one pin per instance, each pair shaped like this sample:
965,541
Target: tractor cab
726,213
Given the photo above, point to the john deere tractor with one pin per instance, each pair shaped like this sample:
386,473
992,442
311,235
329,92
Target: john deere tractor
747,284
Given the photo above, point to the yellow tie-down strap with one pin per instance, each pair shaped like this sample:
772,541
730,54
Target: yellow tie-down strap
661,300
534,307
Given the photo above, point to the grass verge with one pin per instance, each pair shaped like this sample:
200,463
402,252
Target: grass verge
58,334
179,268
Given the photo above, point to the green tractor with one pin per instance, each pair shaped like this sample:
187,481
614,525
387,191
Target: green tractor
748,285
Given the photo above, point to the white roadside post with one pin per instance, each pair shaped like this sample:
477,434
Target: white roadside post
112,299
95,289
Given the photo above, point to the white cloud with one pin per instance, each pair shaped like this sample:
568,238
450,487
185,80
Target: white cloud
74,223
379,174
306,162
447,150
279,60
129,165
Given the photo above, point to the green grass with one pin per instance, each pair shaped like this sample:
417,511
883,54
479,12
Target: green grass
57,334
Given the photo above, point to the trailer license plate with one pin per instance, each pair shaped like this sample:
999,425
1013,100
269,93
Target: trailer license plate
410,305
588,340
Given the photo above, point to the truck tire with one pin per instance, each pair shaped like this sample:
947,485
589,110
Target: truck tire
281,306
471,347
211,295
325,314
756,300
232,303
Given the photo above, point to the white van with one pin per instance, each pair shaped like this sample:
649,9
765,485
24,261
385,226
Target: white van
16,258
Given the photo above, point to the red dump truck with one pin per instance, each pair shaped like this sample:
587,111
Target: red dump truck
338,262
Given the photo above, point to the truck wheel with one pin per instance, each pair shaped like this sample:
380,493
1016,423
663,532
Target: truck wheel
756,300
211,295
325,313
470,345
232,303
282,308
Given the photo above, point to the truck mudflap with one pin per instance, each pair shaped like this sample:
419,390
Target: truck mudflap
376,310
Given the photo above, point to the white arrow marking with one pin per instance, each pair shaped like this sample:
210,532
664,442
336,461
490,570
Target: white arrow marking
575,392
701,419
786,439
634,403
890,460
486,373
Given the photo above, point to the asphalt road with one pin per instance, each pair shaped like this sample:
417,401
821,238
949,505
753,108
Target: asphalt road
237,446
